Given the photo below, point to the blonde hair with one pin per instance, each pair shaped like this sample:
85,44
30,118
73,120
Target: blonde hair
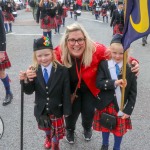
89,46
42,2
54,61
117,45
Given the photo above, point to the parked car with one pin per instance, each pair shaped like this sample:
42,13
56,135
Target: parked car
19,4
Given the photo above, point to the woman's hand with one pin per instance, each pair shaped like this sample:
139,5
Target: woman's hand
31,73
125,116
2,56
135,67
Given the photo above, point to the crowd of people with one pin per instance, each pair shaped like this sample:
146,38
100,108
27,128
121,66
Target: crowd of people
86,74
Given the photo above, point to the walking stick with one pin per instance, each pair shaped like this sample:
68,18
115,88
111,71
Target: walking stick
22,106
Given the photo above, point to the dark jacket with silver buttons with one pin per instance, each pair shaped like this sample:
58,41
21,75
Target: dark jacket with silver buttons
107,87
53,97
2,33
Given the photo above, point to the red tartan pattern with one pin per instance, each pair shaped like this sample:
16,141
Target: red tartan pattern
123,125
5,63
52,24
64,13
104,12
58,127
58,20
117,29
8,16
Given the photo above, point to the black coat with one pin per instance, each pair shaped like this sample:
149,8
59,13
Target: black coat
43,11
2,33
107,93
113,7
117,18
53,97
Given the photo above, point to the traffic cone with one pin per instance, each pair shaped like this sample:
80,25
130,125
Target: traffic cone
27,7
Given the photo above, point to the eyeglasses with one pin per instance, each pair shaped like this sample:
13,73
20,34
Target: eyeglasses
80,41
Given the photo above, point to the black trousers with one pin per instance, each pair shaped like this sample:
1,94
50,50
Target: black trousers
84,104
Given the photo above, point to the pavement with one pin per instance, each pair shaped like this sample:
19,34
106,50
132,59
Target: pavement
19,49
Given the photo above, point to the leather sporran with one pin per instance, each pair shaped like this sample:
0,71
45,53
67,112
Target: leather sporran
108,121
44,121
46,20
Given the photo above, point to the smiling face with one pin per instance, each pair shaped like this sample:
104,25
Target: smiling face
76,43
44,57
117,52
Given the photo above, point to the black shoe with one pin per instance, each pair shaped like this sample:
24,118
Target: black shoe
8,99
143,44
87,134
104,147
70,136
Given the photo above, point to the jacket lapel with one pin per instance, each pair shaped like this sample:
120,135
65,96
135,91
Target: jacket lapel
40,77
54,77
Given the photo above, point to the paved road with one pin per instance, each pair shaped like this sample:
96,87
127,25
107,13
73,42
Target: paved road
19,48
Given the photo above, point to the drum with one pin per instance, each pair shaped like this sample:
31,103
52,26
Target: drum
78,12
14,13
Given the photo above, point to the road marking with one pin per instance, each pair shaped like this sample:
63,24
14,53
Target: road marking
21,34
92,20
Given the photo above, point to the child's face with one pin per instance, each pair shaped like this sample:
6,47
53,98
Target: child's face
44,57
117,52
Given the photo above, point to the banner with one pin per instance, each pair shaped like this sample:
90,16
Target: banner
137,21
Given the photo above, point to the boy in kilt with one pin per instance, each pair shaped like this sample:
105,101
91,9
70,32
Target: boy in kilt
109,81
4,63
50,82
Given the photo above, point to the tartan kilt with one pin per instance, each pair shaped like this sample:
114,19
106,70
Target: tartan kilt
123,125
5,63
52,23
118,29
103,13
96,12
8,16
58,127
58,20
64,15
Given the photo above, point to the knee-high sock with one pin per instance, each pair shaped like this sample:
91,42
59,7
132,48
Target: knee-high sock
105,136
55,140
6,27
50,34
45,33
117,142
10,26
6,84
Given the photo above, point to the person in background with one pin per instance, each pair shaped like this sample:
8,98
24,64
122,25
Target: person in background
34,5
144,40
50,82
4,63
46,14
109,81
8,16
117,20
81,55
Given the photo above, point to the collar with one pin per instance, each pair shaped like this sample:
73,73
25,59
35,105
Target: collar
49,68
113,63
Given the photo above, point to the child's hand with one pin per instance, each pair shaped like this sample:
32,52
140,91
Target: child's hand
2,56
22,75
31,73
121,83
125,116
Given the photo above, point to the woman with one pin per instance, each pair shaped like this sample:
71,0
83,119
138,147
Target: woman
81,56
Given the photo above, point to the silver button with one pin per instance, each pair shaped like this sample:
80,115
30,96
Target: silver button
106,81
105,88
46,92
48,98
114,95
46,87
105,84
47,109
46,103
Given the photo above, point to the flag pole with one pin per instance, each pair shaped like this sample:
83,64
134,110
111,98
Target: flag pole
21,123
124,64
